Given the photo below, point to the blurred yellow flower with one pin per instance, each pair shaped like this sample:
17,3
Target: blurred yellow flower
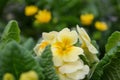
43,16
102,26
86,19
48,38
63,49
8,76
73,70
31,75
30,10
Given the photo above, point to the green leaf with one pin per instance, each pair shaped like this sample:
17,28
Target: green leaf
29,44
47,65
11,32
15,59
113,41
112,69
109,67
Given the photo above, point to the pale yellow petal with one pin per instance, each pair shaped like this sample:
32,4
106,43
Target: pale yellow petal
85,69
51,36
71,67
83,33
80,74
73,54
68,37
57,61
39,48
91,48
63,77
56,49
86,42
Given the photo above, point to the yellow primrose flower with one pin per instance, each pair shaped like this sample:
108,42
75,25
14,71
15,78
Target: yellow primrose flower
89,50
63,49
43,16
48,38
86,41
102,26
30,10
31,75
73,70
8,76
86,19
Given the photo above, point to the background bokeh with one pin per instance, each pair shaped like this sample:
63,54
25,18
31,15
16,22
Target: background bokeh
61,14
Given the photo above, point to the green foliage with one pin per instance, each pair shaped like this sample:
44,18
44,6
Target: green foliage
47,65
15,59
29,44
108,68
11,32
113,40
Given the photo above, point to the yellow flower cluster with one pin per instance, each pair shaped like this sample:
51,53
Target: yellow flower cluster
87,19
65,54
42,16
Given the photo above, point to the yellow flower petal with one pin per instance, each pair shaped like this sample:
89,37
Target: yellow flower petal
57,60
39,48
83,33
73,54
51,36
91,48
63,77
80,74
71,67
67,37
86,42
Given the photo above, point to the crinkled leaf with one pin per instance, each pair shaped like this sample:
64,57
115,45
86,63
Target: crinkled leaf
11,32
112,69
47,65
113,41
15,59
108,68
